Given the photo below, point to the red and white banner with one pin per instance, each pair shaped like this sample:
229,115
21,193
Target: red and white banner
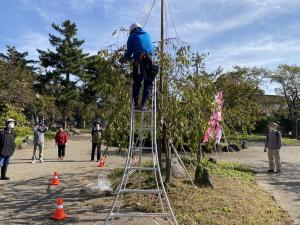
214,130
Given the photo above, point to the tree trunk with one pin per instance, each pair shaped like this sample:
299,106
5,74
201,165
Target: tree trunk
166,143
202,176
65,123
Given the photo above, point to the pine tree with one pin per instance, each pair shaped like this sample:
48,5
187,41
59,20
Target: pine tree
64,67
17,59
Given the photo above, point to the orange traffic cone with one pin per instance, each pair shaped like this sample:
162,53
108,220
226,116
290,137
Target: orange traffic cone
55,180
101,162
59,212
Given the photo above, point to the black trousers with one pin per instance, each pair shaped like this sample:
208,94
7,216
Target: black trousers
142,71
61,150
94,147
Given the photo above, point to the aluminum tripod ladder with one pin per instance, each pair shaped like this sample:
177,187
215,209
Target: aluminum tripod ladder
135,167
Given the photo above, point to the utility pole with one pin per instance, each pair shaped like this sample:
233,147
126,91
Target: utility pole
160,105
165,136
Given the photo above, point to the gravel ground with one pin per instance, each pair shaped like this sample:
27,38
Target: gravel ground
27,198
285,187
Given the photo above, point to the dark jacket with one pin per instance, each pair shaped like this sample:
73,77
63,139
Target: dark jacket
139,41
7,142
96,136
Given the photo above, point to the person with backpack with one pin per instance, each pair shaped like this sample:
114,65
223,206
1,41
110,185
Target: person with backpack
61,139
96,140
273,146
141,50
7,146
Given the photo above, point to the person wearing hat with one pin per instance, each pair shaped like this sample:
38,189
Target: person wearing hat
141,50
39,140
96,140
61,139
7,146
273,145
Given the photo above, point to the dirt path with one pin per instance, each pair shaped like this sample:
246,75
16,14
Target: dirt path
28,199
285,187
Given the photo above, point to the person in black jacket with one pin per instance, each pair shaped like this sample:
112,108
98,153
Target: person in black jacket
96,140
7,146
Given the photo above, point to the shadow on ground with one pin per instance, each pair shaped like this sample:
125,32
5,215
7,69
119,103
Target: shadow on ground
33,201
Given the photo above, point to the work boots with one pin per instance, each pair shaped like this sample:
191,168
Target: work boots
3,173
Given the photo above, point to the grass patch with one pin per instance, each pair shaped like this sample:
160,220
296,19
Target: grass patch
235,200
235,171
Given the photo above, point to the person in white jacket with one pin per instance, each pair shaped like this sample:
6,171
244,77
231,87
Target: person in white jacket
39,141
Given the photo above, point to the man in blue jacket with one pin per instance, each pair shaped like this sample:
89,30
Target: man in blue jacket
140,49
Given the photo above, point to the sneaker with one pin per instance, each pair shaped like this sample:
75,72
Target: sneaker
33,161
278,171
270,171
41,160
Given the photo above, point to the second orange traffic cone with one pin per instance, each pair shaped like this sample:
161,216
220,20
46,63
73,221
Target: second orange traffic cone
59,213
55,180
101,162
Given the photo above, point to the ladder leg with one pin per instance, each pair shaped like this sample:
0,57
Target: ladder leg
159,174
126,165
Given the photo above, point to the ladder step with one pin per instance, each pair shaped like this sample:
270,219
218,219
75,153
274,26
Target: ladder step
144,148
145,191
143,111
139,214
144,129
143,168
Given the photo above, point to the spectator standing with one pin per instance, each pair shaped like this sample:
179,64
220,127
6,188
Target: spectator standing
273,146
39,141
96,140
7,146
61,139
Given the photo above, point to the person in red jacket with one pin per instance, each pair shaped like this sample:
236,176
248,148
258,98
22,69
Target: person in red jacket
61,139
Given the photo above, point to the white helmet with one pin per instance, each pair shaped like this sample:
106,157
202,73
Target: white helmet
10,121
134,25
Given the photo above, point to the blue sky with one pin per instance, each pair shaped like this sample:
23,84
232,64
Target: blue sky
235,32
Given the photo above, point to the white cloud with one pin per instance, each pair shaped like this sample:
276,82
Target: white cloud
31,41
43,10
83,5
265,52
198,20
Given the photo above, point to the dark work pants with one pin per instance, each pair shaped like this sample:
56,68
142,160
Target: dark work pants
61,150
142,71
94,147
4,160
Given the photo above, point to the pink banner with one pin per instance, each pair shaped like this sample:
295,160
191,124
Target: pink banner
214,131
